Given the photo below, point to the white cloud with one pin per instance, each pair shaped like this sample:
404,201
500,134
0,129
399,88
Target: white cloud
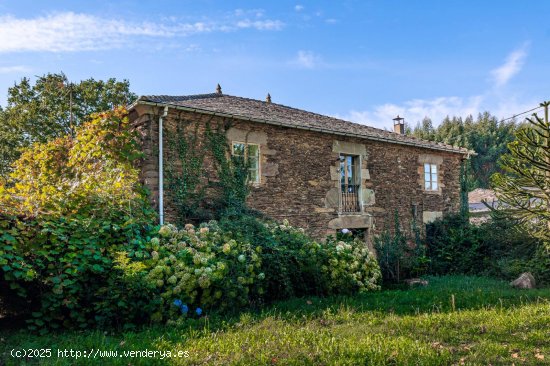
193,48
299,7
501,106
306,59
513,64
415,110
13,69
260,24
501,103
68,31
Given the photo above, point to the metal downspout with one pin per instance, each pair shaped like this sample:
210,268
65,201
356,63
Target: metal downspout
161,167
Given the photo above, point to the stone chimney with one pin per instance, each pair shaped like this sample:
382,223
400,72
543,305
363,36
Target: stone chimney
399,125
268,99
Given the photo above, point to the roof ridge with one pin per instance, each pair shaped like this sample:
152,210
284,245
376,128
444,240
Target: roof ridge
319,118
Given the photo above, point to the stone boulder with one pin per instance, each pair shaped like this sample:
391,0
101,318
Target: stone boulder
525,280
416,282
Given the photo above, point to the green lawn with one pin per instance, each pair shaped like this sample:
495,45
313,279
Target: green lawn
489,323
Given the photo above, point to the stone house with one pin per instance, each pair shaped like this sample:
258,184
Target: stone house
318,172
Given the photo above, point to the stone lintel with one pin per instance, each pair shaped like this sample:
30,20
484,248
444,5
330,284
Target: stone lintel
351,222
351,148
430,216
253,137
430,159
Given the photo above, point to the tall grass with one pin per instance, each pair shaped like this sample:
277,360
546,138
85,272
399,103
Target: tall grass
490,324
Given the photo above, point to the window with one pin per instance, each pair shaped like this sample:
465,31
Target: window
348,175
349,183
251,153
430,177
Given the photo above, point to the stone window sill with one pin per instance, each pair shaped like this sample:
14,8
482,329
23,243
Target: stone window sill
438,192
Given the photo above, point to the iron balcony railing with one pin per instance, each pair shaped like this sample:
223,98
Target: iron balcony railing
349,200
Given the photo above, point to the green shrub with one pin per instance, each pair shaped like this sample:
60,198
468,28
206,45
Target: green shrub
64,271
296,265
90,174
200,267
70,206
350,268
496,248
455,246
399,255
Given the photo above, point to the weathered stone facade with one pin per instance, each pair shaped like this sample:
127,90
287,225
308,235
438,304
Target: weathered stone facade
300,180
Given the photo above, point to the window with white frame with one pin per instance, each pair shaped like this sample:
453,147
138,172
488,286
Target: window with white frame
251,154
430,177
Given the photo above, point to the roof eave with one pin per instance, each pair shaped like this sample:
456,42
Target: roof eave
468,153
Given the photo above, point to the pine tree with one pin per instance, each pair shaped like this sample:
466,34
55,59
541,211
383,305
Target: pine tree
524,187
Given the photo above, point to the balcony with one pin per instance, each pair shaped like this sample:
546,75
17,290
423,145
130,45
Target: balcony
349,199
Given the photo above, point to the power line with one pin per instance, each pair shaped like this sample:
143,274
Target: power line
466,134
520,114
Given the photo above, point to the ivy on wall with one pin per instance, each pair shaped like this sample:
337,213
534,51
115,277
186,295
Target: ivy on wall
184,168
186,178
232,171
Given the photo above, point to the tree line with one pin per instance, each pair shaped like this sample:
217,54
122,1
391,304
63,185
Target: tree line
486,135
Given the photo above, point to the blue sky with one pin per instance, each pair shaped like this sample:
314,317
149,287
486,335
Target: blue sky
364,61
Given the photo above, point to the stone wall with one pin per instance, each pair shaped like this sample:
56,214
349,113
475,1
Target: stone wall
299,174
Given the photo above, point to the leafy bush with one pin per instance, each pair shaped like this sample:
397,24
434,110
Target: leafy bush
200,267
296,265
70,206
399,255
63,270
351,267
92,174
497,248
455,246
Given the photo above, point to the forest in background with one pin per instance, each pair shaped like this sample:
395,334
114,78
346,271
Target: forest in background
486,135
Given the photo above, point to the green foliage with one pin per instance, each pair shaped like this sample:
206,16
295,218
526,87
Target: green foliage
523,189
64,269
495,248
455,246
202,267
391,249
71,206
184,171
399,255
494,324
295,265
52,108
90,174
350,267
232,172
187,182
486,136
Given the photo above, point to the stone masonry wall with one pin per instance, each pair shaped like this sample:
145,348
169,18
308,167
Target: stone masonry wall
299,176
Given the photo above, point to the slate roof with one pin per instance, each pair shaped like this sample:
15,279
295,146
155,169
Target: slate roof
277,114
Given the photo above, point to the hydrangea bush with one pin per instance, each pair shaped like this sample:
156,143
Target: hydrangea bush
296,265
351,267
201,268
345,267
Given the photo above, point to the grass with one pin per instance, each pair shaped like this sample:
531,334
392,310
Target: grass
486,323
